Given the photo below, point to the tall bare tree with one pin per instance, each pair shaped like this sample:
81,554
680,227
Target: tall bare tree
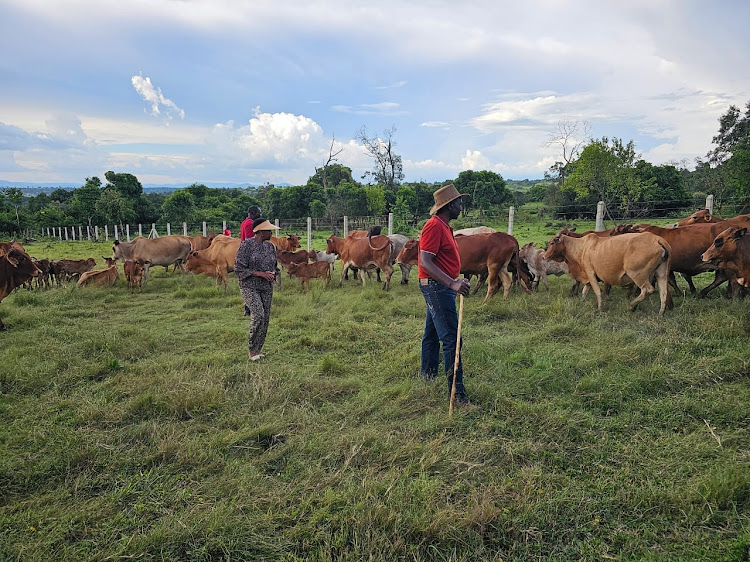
331,158
388,167
567,140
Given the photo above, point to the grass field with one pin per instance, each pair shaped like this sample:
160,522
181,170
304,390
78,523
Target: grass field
133,427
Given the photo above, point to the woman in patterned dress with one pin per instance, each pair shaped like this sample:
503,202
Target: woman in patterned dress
255,266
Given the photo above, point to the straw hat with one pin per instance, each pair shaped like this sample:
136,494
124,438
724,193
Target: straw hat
445,195
264,224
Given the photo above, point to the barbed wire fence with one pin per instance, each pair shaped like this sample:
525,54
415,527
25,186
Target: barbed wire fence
341,226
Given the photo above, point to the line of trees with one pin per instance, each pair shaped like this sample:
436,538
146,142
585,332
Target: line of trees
587,171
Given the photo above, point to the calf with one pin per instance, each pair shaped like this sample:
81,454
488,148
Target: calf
69,268
16,267
100,277
285,258
539,266
305,271
133,270
43,277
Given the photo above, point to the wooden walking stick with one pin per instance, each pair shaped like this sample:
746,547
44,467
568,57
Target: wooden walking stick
458,352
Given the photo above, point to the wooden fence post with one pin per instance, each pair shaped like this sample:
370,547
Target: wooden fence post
117,234
710,203
511,219
169,229
184,229
204,228
140,229
309,234
276,222
153,233
599,216
346,225
390,224
106,233
127,231
96,233
66,233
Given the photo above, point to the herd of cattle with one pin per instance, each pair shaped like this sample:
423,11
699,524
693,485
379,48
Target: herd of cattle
635,256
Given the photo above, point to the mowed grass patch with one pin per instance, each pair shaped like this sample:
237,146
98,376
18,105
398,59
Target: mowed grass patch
132,425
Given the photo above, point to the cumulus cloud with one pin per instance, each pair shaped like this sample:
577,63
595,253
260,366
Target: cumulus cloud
154,96
475,160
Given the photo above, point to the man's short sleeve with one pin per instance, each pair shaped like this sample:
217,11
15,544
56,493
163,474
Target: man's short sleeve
429,238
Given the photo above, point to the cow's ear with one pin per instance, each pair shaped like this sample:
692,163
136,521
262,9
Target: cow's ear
13,258
739,233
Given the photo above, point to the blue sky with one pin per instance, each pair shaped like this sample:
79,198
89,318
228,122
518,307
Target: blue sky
184,91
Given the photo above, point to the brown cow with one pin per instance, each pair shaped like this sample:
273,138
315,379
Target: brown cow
488,256
688,243
305,271
731,251
215,261
363,253
288,243
43,278
133,270
617,260
699,217
201,242
16,267
100,277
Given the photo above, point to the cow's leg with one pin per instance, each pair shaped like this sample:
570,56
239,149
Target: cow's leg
506,280
3,327
388,270
405,270
662,282
344,270
689,279
146,268
646,289
719,278
493,282
362,275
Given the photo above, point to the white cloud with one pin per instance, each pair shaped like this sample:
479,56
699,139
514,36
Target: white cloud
475,160
153,95
382,108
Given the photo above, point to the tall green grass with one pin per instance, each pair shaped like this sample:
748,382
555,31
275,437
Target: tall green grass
132,426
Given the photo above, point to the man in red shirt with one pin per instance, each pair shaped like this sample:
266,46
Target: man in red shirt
439,268
246,228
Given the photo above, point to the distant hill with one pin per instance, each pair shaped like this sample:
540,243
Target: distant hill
32,188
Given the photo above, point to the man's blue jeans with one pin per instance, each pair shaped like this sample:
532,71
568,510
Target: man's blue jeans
441,326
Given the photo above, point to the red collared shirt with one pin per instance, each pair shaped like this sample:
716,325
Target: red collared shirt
246,229
437,239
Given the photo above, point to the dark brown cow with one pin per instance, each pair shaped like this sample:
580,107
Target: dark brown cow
16,267
133,270
363,253
490,255
288,243
5,247
43,278
68,268
100,277
731,251
305,271
617,260
285,258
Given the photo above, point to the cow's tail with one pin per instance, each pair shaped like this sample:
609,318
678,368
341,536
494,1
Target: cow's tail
388,243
